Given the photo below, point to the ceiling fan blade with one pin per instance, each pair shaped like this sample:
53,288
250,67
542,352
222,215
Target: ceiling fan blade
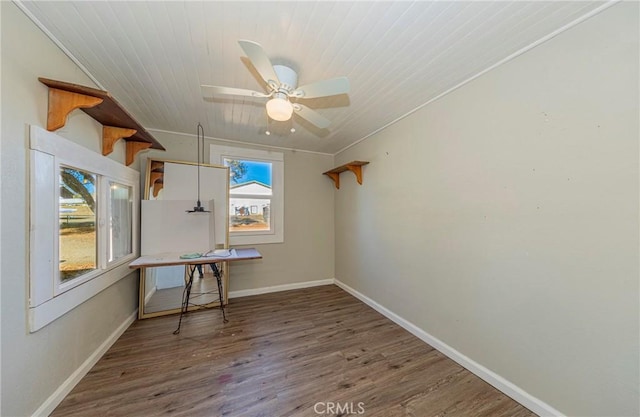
323,88
208,90
311,116
260,60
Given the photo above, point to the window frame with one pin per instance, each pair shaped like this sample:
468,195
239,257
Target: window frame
107,183
49,298
249,196
217,156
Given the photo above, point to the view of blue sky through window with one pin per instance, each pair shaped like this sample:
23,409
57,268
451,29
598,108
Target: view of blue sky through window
253,171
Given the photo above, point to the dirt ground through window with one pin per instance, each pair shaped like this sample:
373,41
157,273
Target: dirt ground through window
77,242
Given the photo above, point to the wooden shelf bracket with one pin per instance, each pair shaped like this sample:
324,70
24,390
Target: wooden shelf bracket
335,177
156,176
157,186
110,135
61,103
353,166
133,148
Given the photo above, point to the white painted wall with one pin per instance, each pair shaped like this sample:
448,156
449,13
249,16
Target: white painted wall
517,243
520,248
307,253
35,365
0,229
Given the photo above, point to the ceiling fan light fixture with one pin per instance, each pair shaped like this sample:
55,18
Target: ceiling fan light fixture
279,108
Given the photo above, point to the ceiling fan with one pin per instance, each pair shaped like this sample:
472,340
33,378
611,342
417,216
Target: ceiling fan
283,91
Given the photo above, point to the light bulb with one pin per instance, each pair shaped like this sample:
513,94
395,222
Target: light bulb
279,108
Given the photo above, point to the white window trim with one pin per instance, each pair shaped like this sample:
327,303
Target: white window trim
107,217
47,152
276,235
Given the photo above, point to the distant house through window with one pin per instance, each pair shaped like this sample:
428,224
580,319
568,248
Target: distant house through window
256,194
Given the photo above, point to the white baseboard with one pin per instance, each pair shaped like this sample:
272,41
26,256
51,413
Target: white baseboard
63,390
277,288
532,403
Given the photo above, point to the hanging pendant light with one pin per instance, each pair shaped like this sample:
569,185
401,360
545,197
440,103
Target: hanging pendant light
198,208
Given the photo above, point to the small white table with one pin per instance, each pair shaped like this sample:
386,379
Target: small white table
170,259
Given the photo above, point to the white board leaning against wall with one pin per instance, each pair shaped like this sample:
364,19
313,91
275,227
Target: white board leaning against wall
180,183
168,227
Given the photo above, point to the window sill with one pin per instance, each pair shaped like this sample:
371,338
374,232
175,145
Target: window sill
255,240
54,308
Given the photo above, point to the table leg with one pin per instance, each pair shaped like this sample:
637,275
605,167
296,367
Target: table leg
216,273
185,295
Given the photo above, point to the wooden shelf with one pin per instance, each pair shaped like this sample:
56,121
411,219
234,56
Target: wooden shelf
353,166
101,106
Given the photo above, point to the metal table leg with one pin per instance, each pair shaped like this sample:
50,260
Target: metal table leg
185,295
216,273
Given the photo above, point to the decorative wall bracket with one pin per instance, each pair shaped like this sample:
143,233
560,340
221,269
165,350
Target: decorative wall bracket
156,176
133,148
61,103
100,105
353,166
110,135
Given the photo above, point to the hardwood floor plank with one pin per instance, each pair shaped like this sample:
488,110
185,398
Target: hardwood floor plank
297,353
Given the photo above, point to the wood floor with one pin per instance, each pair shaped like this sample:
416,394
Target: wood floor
310,352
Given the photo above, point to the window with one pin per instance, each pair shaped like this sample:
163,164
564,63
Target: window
83,225
256,194
250,193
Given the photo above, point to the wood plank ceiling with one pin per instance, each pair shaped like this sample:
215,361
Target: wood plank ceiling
153,56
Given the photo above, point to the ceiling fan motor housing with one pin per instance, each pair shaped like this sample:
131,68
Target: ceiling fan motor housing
288,77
